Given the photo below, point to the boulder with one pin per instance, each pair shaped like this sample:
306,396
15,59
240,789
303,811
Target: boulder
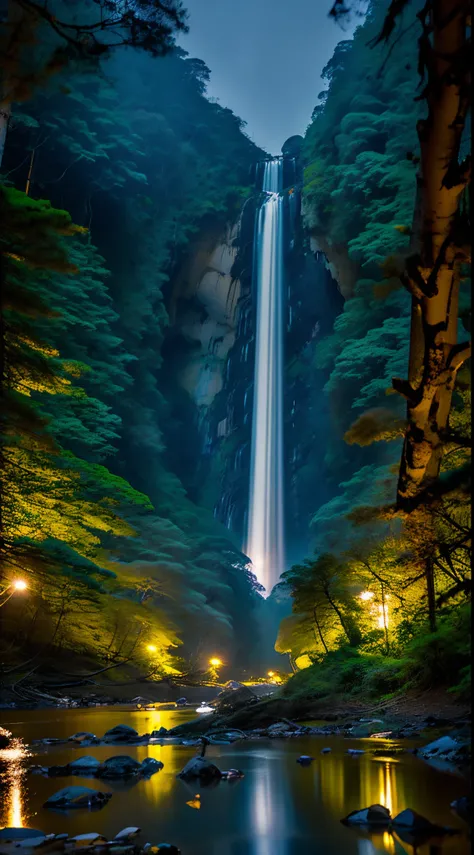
120,733
86,765
355,751
441,746
82,736
181,702
375,815
127,833
20,833
57,771
121,766
77,797
326,750
156,734
199,767
413,821
305,760
415,829
93,838
149,766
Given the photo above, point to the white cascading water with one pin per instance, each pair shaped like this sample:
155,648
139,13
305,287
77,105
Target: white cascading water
265,538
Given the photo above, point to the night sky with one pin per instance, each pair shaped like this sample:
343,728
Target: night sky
266,58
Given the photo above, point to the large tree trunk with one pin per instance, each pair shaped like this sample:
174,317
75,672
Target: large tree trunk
432,272
4,119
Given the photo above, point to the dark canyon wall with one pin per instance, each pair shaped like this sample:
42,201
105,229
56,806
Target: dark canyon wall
213,313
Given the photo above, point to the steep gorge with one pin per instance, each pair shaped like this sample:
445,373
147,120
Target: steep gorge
212,311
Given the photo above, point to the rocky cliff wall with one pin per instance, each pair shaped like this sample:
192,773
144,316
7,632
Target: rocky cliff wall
202,310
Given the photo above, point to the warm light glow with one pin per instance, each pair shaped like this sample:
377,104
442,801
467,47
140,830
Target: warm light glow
151,648
271,673
383,616
215,662
20,585
366,595
12,781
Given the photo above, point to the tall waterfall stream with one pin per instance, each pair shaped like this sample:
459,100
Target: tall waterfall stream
265,540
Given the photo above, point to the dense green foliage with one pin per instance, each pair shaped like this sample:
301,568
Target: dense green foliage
388,588
101,525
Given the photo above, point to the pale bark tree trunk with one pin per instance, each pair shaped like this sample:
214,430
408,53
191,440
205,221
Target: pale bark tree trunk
5,111
432,272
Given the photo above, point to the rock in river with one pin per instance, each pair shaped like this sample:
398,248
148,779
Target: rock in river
87,765
439,748
77,797
305,760
20,834
120,733
121,766
82,736
199,767
374,815
416,823
149,766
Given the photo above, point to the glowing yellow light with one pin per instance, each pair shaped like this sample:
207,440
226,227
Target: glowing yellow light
215,662
151,648
271,673
20,585
383,617
366,595
13,781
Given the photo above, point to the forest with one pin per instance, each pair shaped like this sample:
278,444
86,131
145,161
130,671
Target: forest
384,602
115,164
235,409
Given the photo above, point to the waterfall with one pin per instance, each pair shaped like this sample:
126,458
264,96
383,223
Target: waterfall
265,539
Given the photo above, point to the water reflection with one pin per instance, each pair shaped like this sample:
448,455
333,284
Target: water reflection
278,808
12,774
271,811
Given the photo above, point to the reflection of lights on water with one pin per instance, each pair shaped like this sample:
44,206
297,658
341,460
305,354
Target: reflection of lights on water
388,843
268,817
386,791
11,759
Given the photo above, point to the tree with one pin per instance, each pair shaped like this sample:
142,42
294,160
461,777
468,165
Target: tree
76,32
431,269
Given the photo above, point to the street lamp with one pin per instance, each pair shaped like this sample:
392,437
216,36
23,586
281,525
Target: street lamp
152,648
215,662
17,586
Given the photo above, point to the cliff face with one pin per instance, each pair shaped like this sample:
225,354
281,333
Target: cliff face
203,309
212,311
342,268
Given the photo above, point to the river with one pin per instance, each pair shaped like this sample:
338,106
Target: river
278,808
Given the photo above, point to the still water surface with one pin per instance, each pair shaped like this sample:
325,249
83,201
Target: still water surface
278,808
